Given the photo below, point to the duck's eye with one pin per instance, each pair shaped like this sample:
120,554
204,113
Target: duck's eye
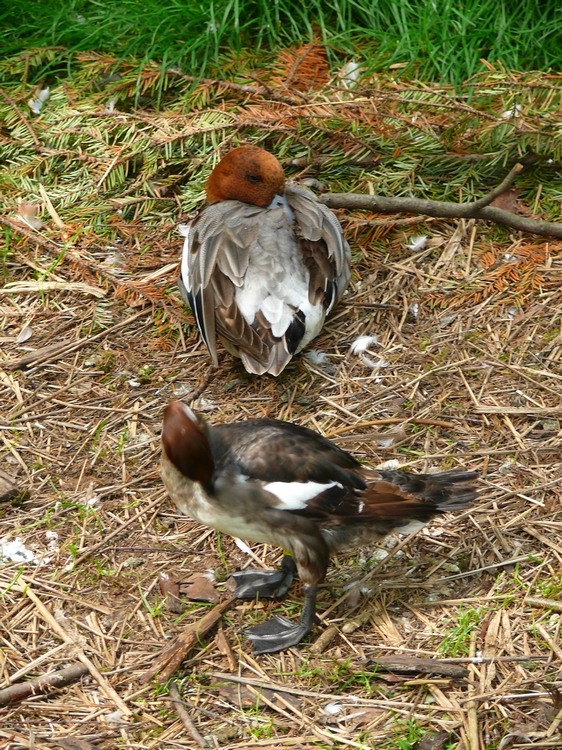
253,178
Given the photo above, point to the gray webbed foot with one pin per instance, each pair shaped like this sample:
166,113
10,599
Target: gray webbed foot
271,584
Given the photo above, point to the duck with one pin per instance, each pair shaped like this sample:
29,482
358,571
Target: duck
263,263
279,483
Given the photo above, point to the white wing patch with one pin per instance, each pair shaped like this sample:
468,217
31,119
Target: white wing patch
295,495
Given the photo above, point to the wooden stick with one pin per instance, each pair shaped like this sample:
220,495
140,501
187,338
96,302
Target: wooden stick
535,601
21,690
403,664
479,209
169,660
182,712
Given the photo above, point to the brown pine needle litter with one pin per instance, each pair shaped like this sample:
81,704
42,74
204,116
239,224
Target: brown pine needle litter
449,638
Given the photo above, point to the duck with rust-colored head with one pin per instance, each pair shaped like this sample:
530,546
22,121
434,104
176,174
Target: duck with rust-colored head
275,482
263,264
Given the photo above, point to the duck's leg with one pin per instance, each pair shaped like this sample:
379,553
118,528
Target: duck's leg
279,633
271,584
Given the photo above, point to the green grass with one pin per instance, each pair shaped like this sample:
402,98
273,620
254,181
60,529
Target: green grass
444,40
456,642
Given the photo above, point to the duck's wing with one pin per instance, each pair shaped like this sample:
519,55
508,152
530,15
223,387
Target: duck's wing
394,502
296,469
215,259
324,249
271,450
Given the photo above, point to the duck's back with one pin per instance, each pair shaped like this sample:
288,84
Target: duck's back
263,279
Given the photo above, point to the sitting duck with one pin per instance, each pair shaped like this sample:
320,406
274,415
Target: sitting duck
265,480
263,264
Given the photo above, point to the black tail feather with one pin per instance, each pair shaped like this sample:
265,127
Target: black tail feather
447,490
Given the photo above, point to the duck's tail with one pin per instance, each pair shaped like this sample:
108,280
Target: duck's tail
446,490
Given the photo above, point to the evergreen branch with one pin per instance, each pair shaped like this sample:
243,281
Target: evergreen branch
22,117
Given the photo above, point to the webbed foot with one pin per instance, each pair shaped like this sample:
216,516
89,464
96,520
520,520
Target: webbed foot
279,633
276,634
271,584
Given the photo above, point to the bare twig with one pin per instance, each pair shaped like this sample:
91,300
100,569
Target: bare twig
535,601
555,648
404,664
203,385
21,690
479,209
22,117
391,420
55,351
498,190
278,687
259,91
182,712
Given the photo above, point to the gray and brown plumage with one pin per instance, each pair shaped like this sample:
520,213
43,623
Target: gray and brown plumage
270,481
263,264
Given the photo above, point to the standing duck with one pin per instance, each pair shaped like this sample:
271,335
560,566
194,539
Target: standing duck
270,481
263,264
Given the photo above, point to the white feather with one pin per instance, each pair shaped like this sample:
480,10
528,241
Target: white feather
316,357
362,343
37,101
295,495
242,546
417,243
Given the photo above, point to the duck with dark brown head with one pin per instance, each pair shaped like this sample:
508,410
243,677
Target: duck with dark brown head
275,482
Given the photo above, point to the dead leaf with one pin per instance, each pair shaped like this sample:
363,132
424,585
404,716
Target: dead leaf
171,590
200,589
238,695
8,490
509,201
363,717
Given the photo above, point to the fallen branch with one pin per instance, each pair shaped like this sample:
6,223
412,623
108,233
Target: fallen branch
402,664
479,209
183,713
22,690
169,660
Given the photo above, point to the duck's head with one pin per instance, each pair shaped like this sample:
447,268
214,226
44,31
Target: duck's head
248,174
185,443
